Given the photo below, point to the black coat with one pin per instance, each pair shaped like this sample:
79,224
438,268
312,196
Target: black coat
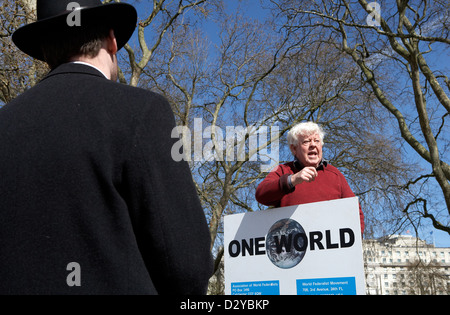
86,176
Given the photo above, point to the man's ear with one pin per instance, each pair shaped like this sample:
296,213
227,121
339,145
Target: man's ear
111,43
292,147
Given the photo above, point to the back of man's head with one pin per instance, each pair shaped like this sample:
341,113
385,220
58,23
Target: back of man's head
85,42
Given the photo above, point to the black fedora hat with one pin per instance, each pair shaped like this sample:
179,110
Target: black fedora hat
53,16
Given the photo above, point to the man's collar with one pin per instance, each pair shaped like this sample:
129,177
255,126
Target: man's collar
75,68
89,65
298,165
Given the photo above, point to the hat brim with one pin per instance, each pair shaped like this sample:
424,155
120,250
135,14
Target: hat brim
121,17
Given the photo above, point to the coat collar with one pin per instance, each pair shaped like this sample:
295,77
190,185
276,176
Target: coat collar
75,68
89,65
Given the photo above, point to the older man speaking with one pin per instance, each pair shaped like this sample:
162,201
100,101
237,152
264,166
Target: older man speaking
308,178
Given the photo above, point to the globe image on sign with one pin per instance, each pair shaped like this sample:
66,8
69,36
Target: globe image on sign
286,243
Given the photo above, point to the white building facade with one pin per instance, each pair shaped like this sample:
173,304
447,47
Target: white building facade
405,265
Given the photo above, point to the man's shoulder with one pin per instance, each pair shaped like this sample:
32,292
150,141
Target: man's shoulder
131,93
332,169
144,101
287,165
95,91
137,92
284,168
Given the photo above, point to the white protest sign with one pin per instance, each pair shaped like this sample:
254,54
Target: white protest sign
313,248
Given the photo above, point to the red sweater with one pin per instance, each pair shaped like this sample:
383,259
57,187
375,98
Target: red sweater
329,184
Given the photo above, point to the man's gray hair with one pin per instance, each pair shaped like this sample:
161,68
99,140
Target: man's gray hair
304,129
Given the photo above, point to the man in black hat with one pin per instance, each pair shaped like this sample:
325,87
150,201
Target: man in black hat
91,201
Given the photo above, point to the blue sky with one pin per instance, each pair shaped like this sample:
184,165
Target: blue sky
254,10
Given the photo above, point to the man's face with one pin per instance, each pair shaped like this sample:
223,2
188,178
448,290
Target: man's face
308,150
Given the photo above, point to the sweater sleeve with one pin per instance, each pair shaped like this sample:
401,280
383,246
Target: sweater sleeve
270,191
